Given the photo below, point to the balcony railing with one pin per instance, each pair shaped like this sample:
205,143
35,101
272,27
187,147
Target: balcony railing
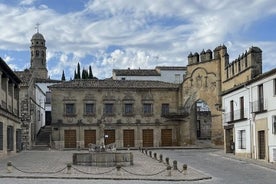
236,115
176,115
259,105
4,104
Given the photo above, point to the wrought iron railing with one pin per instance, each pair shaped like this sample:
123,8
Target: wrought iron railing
259,105
235,115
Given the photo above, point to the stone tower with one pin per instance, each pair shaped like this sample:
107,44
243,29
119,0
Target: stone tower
38,56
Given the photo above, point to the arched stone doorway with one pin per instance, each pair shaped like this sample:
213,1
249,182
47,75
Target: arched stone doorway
202,120
202,84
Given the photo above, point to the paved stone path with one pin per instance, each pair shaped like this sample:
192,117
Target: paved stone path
52,164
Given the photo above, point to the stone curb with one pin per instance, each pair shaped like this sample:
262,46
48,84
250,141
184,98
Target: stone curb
103,178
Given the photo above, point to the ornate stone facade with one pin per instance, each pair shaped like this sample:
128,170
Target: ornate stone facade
134,113
208,75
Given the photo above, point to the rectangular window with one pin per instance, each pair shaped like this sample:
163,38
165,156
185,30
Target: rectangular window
89,109
128,109
261,97
241,107
177,78
241,139
147,109
1,136
48,97
274,124
38,115
70,109
10,138
231,110
108,109
274,87
165,109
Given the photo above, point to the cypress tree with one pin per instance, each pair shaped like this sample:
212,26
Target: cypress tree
90,76
84,74
63,76
75,75
78,71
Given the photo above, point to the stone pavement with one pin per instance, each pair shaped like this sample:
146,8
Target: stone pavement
53,164
261,163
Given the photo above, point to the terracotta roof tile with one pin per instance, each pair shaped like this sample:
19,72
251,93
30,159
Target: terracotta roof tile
123,84
136,72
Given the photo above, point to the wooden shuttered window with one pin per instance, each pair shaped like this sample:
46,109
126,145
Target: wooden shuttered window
1,136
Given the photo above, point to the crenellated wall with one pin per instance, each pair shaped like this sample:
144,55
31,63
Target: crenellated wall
208,75
246,67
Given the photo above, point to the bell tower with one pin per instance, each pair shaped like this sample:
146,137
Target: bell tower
38,56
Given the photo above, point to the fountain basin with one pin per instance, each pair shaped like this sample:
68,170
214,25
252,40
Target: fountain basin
103,159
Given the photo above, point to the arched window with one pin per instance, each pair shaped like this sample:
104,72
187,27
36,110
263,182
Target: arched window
42,53
36,53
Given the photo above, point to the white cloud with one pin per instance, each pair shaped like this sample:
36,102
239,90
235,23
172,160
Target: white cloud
7,58
141,31
27,2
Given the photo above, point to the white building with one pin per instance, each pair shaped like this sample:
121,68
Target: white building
249,118
172,74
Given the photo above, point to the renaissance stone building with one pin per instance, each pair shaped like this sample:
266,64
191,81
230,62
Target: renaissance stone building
133,113
136,113
10,124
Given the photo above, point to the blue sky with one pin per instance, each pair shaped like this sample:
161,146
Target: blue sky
122,34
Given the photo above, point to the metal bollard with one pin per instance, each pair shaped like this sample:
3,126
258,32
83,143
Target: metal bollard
9,167
167,161
131,158
169,171
174,165
185,167
160,158
69,168
118,167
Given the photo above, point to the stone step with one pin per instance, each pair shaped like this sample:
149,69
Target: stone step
41,147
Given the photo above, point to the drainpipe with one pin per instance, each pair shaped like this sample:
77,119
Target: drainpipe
250,123
250,120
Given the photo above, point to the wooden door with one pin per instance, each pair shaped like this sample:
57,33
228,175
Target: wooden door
166,137
128,138
89,137
70,139
230,147
148,138
110,137
261,141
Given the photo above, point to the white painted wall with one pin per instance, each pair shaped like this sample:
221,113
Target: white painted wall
250,93
41,89
40,108
270,104
171,76
241,124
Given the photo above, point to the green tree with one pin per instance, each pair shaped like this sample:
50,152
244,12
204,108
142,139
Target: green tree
75,75
90,76
78,71
63,76
84,74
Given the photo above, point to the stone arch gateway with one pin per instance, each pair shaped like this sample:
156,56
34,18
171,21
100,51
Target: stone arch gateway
202,82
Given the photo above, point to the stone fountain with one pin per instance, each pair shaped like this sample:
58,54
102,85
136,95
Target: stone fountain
103,155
